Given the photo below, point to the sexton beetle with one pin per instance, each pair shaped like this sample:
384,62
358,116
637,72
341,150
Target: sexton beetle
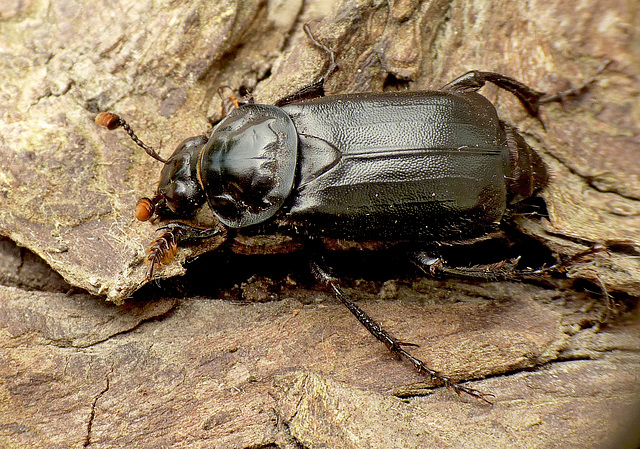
430,166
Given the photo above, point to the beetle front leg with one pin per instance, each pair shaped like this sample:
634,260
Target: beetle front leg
393,344
164,247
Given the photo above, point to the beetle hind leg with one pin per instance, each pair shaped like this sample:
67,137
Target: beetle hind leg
393,344
530,98
577,90
474,80
504,270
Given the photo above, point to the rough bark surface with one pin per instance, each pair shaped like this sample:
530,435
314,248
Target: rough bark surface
156,371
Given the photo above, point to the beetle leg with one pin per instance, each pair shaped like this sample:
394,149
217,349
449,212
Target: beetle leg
393,344
504,270
530,98
164,247
308,92
315,89
474,80
578,90
332,54
501,271
231,101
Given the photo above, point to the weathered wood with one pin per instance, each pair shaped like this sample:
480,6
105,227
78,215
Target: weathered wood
76,370
217,373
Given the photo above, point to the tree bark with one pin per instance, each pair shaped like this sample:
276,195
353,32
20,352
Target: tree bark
299,371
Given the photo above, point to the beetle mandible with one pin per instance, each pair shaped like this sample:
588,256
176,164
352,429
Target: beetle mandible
405,166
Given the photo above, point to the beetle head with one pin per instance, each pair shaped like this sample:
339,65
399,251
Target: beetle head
179,187
179,191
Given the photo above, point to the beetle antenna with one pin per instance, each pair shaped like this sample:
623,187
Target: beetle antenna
113,121
145,208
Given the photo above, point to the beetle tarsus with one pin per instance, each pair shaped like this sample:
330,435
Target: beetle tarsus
580,257
393,344
561,97
504,270
332,54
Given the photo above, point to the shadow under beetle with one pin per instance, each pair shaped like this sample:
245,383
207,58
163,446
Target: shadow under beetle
430,166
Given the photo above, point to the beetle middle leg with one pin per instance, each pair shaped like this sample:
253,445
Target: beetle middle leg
315,89
393,344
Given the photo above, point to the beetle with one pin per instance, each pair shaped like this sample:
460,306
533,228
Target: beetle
429,166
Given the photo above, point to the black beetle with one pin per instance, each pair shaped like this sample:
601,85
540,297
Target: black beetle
405,166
